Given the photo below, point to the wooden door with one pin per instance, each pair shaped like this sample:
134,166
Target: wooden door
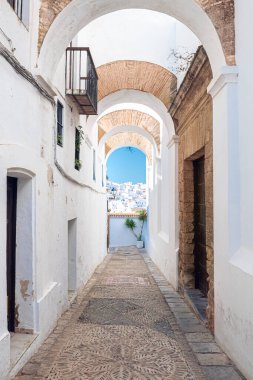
200,226
11,249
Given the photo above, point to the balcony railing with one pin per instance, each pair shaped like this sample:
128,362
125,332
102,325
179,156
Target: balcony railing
81,79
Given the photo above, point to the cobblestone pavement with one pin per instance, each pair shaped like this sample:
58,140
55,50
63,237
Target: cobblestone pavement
129,324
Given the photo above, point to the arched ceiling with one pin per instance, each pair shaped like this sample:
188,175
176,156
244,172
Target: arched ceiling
136,100
137,75
129,117
81,12
129,139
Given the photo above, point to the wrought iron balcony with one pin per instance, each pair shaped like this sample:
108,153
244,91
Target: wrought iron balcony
81,79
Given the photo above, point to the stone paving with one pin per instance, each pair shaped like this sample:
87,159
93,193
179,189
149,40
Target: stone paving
129,324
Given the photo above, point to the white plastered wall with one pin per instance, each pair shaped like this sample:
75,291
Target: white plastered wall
163,216
27,128
233,247
120,235
16,36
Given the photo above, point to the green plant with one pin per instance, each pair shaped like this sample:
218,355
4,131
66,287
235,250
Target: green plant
79,138
142,218
78,164
59,139
130,223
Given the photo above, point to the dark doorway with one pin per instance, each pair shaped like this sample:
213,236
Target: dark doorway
11,249
200,257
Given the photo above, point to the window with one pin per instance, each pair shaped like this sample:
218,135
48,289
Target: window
94,165
78,163
21,8
59,124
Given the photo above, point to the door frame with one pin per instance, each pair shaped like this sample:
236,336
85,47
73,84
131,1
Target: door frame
12,183
196,230
25,281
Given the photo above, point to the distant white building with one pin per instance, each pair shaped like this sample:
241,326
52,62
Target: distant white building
126,197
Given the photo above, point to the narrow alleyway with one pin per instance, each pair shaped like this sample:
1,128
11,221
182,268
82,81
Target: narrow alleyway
129,324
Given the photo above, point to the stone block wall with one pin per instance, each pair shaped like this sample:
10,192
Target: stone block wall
192,112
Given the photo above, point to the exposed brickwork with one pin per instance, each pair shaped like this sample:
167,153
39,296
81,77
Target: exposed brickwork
136,75
129,139
220,12
192,109
49,9
129,117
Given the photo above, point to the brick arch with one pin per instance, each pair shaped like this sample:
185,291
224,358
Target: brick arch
137,75
129,139
221,14
129,117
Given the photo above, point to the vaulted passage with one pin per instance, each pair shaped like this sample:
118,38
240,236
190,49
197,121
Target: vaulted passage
128,324
157,79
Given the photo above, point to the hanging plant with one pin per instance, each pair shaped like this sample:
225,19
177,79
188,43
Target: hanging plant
59,139
79,138
78,164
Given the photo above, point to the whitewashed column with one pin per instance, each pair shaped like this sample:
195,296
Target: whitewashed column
173,206
226,173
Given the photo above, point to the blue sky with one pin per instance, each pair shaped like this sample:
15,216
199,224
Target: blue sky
126,165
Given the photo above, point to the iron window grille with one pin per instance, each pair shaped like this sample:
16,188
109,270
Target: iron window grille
59,124
21,8
77,149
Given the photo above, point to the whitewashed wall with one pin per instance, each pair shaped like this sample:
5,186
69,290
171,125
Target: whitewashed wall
16,36
233,268
120,235
46,199
162,245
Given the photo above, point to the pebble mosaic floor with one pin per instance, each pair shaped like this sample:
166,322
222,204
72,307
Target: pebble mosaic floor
129,324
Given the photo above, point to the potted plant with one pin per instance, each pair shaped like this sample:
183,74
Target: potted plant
130,223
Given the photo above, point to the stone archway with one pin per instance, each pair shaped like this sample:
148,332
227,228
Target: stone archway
212,22
129,139
134,99
127,131
129,117
137,75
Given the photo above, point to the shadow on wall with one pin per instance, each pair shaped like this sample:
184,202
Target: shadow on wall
120,235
